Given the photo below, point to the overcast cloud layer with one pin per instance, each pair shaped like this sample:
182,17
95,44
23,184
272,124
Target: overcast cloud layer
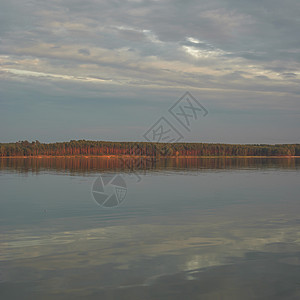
108,69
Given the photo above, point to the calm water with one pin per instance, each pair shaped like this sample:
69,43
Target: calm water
187,229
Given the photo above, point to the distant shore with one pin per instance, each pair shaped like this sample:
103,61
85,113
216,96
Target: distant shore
143,156
104,149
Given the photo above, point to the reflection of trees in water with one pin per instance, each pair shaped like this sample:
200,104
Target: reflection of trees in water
83,165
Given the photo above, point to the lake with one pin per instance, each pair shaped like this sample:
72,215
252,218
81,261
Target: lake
185,228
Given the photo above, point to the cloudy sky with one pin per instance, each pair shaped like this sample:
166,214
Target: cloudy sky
108,70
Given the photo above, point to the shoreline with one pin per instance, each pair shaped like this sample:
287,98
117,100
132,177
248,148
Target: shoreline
144,156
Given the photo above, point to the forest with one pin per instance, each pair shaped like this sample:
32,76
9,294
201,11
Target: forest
104,148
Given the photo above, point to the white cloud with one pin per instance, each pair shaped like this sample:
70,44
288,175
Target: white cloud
193,40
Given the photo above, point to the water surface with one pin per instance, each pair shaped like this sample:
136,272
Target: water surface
188,229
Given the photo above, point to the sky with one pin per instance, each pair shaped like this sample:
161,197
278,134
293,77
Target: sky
108,70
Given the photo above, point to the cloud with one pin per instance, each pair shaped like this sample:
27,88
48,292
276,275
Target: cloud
84,51
230,46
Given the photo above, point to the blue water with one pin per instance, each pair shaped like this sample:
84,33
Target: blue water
186,229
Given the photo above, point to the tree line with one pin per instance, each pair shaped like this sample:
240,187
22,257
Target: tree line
101,148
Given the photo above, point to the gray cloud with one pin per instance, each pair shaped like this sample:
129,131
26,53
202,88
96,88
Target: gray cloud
229,46
84,51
